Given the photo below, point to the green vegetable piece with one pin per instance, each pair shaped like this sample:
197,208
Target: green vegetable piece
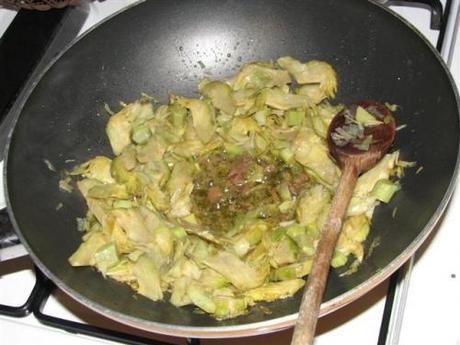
110,190
148,278
121,271
106,257
283,252
97,168
365,118
287,154
284,192
363,200
179,295
179,232
122,204
249,238
234,149
311,151
295,118
221,95
312,203
119,127
278,99
278,234
164,240
134,224
153,150
272,291
228,307
124,176
338,259
255,76
141,135
322,115
239,273
178,115
201,299
318,73
302,238
203,117
84,255
296,270
384,190
261,116
356,228
212,279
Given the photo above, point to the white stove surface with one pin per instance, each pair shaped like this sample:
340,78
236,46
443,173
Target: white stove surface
433,304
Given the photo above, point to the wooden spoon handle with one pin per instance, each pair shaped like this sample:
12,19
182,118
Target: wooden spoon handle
304,331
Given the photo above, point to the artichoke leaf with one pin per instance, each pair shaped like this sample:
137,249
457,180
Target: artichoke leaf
203,117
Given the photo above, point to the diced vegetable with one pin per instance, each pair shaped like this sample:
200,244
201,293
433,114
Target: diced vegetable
278,99
221,95
273,291
312,152
148,278
200,298
97,168
239,273
203,116
120,125
106,257
365,118
84,255
255,76
384,190
312,72
228,307
218,202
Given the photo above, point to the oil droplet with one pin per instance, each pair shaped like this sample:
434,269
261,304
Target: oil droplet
229,55
240,58
181,48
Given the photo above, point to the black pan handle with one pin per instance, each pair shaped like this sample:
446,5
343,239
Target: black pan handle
26,48
434,6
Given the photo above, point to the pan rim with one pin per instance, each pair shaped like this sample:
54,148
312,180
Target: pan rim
248,329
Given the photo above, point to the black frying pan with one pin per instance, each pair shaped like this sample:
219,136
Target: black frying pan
160,46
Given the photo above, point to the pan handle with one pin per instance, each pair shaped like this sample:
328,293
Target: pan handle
434,6
60,27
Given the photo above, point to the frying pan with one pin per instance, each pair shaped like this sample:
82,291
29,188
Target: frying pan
169,45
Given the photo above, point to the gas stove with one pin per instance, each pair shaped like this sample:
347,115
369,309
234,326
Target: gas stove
418,305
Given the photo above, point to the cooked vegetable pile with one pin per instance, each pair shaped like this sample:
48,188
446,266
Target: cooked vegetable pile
218,201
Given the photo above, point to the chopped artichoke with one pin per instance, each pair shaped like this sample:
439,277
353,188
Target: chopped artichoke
239,273
278,99
84,255
221,95
312,152
120,125
200,298
203,116
228,307
220,200
273,291
256,77
97,168
312,72
148,278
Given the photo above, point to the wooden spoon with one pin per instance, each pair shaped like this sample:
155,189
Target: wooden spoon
354,159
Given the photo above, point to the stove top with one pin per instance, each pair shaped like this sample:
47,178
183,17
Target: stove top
423,295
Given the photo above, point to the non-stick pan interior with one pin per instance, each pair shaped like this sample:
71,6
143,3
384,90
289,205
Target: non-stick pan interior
169,45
